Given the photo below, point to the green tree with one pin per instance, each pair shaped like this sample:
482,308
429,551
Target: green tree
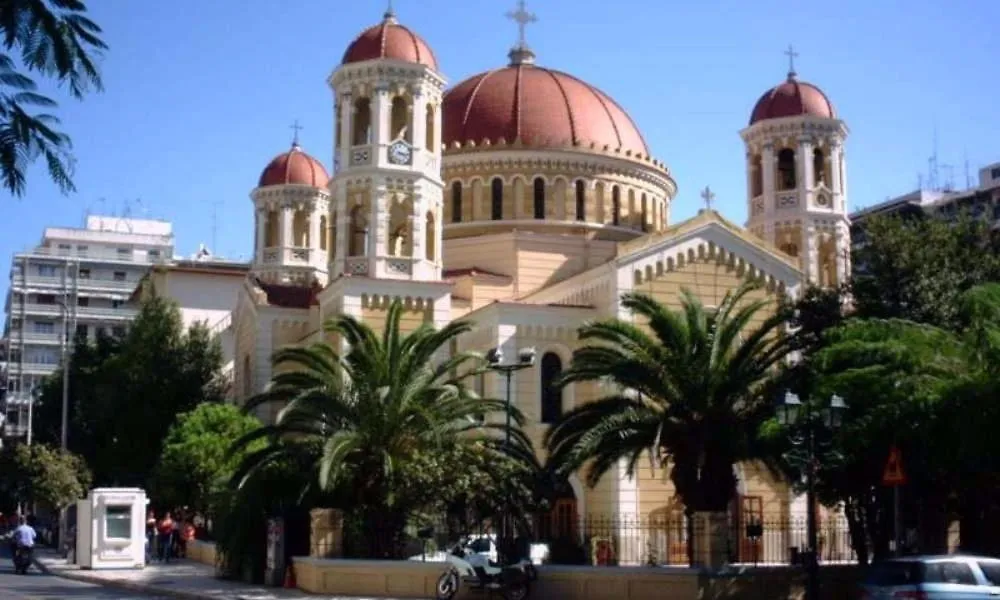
56,39
196,463
689,386
918,269
387,413
42,475
143,380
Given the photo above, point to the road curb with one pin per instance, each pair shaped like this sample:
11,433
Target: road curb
122,584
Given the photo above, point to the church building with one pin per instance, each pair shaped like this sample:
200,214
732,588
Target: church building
527,201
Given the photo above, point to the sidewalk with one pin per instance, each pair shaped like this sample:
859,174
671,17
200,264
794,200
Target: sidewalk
178,579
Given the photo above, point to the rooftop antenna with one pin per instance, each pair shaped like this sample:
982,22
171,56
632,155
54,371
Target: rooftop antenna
932,165
968,175
126,215
948,184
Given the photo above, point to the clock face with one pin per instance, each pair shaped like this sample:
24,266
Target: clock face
400,153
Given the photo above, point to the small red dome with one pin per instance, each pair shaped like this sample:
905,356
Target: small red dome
389,39
294,167
792,98
538,105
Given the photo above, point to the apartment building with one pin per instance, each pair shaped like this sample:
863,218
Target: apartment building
77,281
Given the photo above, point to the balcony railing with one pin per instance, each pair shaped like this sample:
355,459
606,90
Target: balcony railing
81,283
32,337
100,254
34,308
287,256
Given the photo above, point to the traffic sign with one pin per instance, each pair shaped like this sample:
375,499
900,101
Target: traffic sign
893,474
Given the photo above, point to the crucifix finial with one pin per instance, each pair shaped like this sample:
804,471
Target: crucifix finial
521,53
389,12
791,54
296,128
708,196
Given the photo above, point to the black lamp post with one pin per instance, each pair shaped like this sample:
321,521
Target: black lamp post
792,411
525,359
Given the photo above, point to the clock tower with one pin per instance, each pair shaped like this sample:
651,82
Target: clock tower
386,188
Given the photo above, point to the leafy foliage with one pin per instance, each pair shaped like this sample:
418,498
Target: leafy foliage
696,375
919,269
144,379
48,476
196,462
396,424
56,39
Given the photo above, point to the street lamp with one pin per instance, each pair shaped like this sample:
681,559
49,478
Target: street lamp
792,411
525,359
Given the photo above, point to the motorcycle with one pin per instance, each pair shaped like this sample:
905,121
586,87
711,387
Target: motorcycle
22,559
480,574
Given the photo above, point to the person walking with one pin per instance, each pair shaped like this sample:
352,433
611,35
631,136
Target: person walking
165,529
150,536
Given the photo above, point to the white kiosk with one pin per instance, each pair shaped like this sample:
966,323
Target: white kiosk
111,529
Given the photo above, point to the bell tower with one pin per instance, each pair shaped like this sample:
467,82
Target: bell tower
796,185
387,185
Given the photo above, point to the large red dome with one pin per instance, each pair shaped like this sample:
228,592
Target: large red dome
389,39
294,167
792,98
538,105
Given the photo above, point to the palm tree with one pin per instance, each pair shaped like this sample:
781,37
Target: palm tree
690,392
389,414
56,39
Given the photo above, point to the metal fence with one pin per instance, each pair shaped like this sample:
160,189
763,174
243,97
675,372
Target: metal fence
629,540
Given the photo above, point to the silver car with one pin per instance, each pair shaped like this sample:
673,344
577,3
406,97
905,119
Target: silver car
950,577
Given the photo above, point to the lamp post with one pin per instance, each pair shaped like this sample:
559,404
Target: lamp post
792,411
525,359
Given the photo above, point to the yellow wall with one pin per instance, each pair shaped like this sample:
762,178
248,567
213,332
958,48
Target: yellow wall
374,312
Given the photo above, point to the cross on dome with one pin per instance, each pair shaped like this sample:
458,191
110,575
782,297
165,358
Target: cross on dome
792,55
520,53
295,136
390,13
708,196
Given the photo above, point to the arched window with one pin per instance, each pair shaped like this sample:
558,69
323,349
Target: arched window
358,240
429,118
616,205
819,168
539,198
431,245
581,201
361,130
400,119
456,202
551,394
645,213
496,199
271,229
756,176
786,169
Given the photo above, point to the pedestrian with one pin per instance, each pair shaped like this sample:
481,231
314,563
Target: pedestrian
165,529
187,534
150,536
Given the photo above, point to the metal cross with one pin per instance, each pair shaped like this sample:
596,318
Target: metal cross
708,195
388,10
297,128
522,17
791,54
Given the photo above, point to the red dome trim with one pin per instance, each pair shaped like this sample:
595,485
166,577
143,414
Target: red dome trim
792,98
389,39
294,167
538,105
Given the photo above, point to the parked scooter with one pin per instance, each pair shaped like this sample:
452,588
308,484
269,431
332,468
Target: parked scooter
22,559
479,573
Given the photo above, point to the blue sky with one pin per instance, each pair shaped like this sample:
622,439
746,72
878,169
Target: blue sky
201,94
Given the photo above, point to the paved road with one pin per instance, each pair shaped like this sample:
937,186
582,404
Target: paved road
36,586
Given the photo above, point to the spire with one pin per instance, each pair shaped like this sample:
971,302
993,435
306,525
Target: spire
295,136
521,53
791,54
389,16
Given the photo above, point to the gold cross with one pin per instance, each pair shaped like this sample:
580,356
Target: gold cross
708,195
522,17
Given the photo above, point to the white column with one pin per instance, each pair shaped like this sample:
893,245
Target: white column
811,254
518,186
418,225
314,238
835,183
378,221
261,224
437,126
418,120
477,200
805,170
346,117
381,106
285,240
767,171
749,168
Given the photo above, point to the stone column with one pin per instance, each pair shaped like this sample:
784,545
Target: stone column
381,110
834,161
767,167
261,234
314,237
418,225
286,238
805,170
477,200
378,221
346,117
517,185
810,247
418,122
750,196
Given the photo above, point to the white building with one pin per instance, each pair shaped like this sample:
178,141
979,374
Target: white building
77,281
